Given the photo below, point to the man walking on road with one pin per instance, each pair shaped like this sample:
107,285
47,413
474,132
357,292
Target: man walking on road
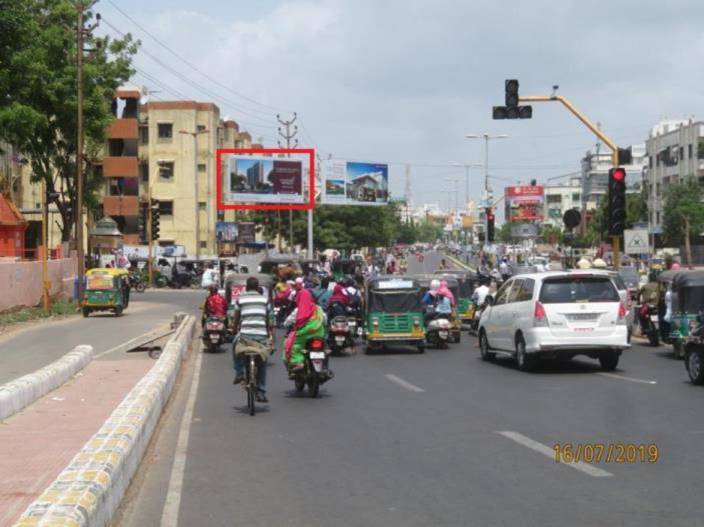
252,322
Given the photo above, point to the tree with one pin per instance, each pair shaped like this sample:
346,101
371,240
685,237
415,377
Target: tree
504,232
38,113
683,214
551,234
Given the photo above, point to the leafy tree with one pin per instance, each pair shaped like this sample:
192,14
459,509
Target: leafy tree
683,214
504,233
38,81
551,234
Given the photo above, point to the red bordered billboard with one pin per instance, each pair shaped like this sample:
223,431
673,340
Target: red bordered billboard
269,153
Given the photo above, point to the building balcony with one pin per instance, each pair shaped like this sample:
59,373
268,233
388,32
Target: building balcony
121,205
123,129
120,166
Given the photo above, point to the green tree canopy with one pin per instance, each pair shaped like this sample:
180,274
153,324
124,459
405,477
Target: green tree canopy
683,214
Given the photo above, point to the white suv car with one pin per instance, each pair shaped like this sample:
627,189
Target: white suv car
555,315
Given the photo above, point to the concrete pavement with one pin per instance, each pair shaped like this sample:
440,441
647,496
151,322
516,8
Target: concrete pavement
459,450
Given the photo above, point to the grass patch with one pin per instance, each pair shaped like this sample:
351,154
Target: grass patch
59,308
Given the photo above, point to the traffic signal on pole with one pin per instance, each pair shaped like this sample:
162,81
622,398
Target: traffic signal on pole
489,224
512,110
142,223
617,201
155,219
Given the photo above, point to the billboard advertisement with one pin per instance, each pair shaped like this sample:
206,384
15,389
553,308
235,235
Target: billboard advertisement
355,183
259,179
524,203
235,232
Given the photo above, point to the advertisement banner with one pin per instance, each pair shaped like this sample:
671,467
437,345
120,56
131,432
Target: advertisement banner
524,203
226,231
259,179
355,183
246,233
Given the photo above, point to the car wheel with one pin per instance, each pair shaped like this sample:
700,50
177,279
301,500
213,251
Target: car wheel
695,366
484,349
608,360
523,360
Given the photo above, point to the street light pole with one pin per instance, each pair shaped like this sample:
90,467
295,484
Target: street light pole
195,182
486,138
467,166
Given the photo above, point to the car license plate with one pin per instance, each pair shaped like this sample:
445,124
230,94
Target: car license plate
443,334
317,354
340,340
582,316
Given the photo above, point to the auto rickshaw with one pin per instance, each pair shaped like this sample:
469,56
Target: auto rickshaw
687,302
394,313
235,284
468,283
454,286
274,264
106,289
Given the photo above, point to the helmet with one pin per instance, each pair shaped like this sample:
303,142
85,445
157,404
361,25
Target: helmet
349,281
434,285
583,263
675,266
598,263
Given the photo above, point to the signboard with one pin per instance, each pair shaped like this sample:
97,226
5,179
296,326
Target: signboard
247,232
635,241
395,284
355,183
260,179
524,230
226,231
524,203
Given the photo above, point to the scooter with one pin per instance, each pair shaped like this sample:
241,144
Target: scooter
213,333
647,317
340,336
438,328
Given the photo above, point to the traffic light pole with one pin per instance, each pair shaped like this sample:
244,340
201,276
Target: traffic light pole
615,244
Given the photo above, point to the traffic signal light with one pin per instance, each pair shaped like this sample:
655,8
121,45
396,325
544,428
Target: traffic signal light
155,219
617,201
489,224
142,223
512,110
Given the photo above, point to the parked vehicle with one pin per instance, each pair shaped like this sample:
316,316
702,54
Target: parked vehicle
394,313
106,289
555,315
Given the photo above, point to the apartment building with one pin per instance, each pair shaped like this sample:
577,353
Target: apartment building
595,174
560,198
675,151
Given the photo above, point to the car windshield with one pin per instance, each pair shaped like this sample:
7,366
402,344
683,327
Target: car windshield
573,289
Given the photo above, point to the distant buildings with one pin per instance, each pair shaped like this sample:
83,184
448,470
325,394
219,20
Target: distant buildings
560,198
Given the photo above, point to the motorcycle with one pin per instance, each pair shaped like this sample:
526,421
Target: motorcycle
213,333
136,282
438,329
315,371
647,317
341,335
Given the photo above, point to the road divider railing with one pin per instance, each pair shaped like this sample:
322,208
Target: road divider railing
89,490
20,393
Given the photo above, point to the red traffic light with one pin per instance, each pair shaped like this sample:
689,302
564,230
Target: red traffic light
618,174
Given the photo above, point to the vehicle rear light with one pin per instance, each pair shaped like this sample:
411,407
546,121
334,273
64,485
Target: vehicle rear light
317,344
621,313
416,321
629,299
540,317
375,322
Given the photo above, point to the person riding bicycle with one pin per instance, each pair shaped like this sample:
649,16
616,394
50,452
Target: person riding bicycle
252,323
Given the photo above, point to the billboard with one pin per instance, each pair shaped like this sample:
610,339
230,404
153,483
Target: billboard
234,232
355,183
524,203
259,179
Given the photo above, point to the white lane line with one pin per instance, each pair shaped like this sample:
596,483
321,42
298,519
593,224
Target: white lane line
407,385
624,378
169,515
549,452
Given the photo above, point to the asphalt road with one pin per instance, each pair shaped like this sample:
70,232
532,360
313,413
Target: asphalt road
442,438
37,344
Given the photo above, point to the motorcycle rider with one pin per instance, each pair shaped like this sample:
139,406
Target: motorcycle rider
252,322
440,303
480,293
215,305
339,300
504,269
210,277
322,293
309,324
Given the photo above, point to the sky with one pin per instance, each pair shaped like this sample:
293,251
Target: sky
403,81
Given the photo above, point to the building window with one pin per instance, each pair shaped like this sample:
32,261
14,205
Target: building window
203,245
689,150
650,160
576,197
681,156
166,208
123,186
165,130
166,170
201,167
144,134
657,218
202,205
200,128
144,172
554,198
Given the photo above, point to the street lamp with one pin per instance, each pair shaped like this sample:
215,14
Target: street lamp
195,181
486,138
467,166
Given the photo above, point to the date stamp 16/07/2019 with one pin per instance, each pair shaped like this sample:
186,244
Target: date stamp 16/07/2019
606,452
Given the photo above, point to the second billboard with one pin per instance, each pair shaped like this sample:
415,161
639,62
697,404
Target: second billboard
355,183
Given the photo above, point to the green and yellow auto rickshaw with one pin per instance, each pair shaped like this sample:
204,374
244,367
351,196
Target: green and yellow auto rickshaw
468,282
454,286
106,289
394,313
687,298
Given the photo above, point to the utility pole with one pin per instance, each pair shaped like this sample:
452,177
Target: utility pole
467,166
81,34
195,181
288,136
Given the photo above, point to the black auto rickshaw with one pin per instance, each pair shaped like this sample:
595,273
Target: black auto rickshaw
394,313
106,289
687,299
468,282
454,286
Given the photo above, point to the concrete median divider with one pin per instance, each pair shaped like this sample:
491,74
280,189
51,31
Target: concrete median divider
16,395
89,490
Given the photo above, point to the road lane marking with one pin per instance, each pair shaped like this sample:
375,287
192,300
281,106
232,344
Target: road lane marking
169,515
407,385
550,453
624,378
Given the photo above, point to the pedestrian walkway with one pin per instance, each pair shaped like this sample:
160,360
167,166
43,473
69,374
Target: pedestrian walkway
40,441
